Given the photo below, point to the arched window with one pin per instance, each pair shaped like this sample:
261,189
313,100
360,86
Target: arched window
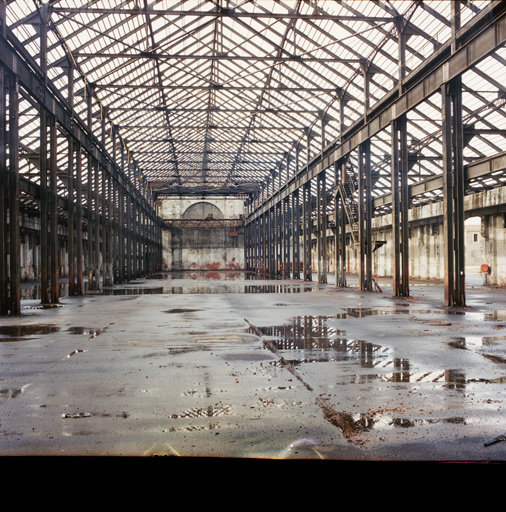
203,210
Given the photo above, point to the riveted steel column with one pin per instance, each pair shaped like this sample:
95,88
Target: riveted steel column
71,208
103,225
97,230
267,241
453,193
400,206
396,272
306,229
53,213
295,235
44,211
108,275
4,292
321,234
256,247
286,238
261,241
248,245
400,191
365,217
340,216
121,231
79,221
14,239
272,243
279,238
368,216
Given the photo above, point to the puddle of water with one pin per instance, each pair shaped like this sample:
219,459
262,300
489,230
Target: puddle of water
490,347
188,289
470,315
204,412
203,275
24,332
316,340
32,291
132,291
92,332
181,310
352,425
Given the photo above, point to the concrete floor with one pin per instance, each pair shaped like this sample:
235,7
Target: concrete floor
216,365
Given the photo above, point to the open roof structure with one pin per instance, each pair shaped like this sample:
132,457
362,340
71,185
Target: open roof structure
227,97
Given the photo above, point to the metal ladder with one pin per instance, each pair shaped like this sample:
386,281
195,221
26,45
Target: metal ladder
348,192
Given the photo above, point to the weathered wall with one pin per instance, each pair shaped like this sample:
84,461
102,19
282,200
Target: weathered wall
174,208
203,248
485,244
494,233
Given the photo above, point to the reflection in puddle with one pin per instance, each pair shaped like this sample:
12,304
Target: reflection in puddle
204,412
32,291
315,340
178,290
26,332
132,291
352,425
93,333
203,275
490,347
181,310
22,332
470,315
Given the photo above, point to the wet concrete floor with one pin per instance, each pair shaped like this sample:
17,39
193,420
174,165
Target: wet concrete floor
225,365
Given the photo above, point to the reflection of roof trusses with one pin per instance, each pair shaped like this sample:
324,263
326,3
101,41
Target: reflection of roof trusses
219,96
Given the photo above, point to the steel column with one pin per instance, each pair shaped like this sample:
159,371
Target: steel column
321,233
79,221
340,216
44,211
286,238
365,217
53,213
295,235
4,292
14,218
400,207
453,193
306,231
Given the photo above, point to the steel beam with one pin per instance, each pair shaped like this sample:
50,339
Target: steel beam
222,12
478,39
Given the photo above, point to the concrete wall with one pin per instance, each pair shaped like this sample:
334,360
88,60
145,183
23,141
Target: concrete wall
485,242
175,208
494,233
203,248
